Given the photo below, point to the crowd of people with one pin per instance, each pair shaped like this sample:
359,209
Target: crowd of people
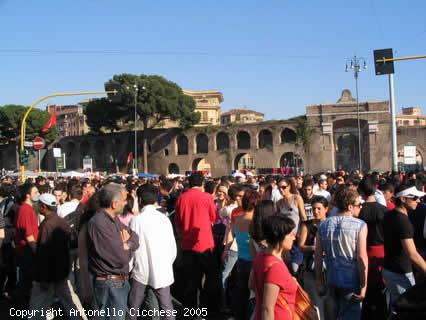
235,247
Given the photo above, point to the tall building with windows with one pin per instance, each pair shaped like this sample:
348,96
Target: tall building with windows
70,120
411,117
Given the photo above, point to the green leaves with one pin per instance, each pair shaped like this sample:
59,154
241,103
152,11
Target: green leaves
303,133
10,123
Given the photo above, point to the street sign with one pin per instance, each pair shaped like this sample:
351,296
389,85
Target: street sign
39,143
383,67
28,144
87,164
409,154
57,152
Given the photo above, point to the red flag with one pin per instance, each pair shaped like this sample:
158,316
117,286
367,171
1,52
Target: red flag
129,158
51,122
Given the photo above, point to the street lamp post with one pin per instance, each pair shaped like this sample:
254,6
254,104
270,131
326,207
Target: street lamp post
135,161
355,65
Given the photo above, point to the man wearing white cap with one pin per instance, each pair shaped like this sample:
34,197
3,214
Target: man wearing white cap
400,250
52,262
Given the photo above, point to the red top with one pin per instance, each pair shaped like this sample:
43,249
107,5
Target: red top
269,269
390,205
195,214
237,212
26,225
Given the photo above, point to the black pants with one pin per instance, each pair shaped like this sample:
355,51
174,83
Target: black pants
240,298
201,271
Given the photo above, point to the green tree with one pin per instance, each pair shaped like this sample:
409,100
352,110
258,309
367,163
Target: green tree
303,133
102,113
157,99
10,124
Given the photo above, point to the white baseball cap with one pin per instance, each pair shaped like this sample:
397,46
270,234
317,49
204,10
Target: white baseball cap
410,192
48,199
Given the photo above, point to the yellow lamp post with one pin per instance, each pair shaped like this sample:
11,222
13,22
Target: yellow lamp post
22,137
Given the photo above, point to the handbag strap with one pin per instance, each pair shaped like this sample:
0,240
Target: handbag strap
279,298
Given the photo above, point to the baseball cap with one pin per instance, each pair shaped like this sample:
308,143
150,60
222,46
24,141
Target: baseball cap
410,192
322,177
48,199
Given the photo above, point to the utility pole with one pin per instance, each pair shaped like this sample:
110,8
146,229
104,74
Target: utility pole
135,161
355,65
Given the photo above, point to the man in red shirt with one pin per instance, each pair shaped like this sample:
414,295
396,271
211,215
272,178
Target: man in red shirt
195,214
26,233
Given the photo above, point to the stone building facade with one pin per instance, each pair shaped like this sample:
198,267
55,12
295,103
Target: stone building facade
268,144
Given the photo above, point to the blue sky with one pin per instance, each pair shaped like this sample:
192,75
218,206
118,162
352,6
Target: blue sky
274,56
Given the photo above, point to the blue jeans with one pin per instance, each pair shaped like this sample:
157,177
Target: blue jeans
397,283
228,265
340,304
111,296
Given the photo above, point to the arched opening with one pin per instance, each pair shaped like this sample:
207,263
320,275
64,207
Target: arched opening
222,141
200,164
202,142
265,139
100,154
290,159
182,144
288,136
243,140
70,155
173,168
85,149
244,161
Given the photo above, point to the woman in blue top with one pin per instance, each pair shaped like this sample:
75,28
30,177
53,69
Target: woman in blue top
240,227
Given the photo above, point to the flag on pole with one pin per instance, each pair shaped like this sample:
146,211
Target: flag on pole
129,158
51,122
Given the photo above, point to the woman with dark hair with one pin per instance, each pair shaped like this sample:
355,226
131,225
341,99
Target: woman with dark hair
240,231
264,209
275,287
306,242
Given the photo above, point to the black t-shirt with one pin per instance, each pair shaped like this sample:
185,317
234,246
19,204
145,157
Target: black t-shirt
308,206
396,227
373,214
418,218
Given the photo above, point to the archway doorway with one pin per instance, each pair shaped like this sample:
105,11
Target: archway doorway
290,159
173,168
244,161
201,164
402,166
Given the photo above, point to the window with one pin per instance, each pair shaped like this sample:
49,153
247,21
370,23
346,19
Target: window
205,116
406,122
417,122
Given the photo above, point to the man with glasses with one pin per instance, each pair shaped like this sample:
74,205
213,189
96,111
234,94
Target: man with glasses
400,250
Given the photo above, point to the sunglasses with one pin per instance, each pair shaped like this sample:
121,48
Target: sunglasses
359,205
283,187
414,198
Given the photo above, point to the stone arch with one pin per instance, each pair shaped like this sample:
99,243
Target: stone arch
243,140
288,136
70,154
182,144
85,148
265,139
222,141
244,161
202,143
290,159
100,154
173,168
201,164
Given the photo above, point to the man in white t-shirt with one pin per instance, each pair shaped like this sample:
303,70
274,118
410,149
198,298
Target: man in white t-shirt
322,188
76,194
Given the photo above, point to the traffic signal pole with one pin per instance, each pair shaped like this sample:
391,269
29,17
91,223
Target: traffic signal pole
383,60
24,119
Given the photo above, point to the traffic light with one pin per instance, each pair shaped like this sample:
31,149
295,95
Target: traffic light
383,67
113,97
23,157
